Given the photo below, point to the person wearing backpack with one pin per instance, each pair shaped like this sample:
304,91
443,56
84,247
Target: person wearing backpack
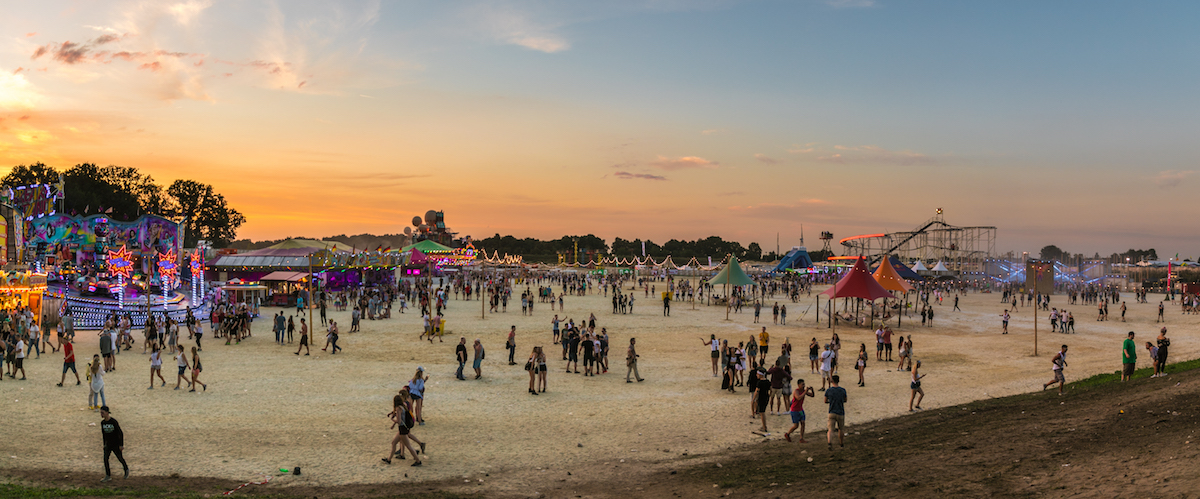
479,354
402,419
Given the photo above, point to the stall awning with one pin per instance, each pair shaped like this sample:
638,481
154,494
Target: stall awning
285,276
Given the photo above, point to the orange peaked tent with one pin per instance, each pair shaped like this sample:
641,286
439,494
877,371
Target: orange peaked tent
887,277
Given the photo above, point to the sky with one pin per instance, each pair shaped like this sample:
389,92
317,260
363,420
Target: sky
1070,123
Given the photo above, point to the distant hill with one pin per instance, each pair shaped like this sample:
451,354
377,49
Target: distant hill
360,241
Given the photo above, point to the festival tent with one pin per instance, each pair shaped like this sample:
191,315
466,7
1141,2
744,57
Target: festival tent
903,270
732,274
427,246
887,277
920,267
797,258
940,267
857,283
416,257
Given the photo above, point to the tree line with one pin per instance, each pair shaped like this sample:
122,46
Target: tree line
680,251
124,194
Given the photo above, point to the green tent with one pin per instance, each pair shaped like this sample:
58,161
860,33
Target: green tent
302,244
732,274
427,246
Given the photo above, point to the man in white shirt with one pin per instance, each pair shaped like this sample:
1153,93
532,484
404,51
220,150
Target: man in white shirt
826,368
20,358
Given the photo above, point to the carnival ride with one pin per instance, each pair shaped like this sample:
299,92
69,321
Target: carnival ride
963,249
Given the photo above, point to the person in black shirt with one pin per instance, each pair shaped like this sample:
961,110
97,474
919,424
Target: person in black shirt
573,350
461,353
589,356
114,442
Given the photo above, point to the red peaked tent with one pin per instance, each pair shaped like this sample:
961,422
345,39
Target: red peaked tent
858,283
417,257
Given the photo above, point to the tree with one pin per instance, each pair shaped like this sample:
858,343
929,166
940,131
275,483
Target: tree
205,213
1052,252
754,252
37,173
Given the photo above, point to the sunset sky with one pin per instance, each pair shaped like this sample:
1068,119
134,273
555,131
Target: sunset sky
1067,123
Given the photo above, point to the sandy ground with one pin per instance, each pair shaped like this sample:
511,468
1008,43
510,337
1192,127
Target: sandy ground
266,408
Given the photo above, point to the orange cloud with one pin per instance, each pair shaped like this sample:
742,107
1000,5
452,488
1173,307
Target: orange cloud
638,176
682,163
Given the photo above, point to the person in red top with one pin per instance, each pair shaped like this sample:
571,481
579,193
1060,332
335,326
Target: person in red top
797,410
68,362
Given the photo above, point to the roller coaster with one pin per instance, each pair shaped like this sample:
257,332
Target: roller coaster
962,249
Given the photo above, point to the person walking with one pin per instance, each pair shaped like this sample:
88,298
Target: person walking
915,386
1059,362
631,361
181,362
1004,322
303,338
460,353
20,358
196,370
68,363
416,391
511,345
96,384
155,367
403,420
861,363
114,442
1128,358
836,397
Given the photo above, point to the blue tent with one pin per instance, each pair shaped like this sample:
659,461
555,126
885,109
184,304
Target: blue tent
797,258
903,270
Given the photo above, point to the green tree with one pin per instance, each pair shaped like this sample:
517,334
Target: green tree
754,252
1052,252
205,214
37,173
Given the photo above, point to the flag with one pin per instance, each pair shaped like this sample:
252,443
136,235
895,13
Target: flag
379,248
387,249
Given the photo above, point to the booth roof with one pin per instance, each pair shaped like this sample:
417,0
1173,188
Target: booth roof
284,275
427,246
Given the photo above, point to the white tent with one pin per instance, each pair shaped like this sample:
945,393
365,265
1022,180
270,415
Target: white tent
940,267
919,267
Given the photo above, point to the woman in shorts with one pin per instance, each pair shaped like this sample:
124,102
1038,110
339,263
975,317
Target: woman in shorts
532,366
861,364
814,352
541,368
156,367
917,393
196,370
402,419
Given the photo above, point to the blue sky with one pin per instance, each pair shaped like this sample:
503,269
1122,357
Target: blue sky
1067,123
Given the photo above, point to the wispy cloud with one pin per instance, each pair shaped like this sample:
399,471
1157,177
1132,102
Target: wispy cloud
1171,178
763,158
683,163
850,4
840,154
638,176
512,25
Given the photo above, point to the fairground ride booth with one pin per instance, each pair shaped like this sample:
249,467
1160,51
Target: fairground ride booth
284,268
19,288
